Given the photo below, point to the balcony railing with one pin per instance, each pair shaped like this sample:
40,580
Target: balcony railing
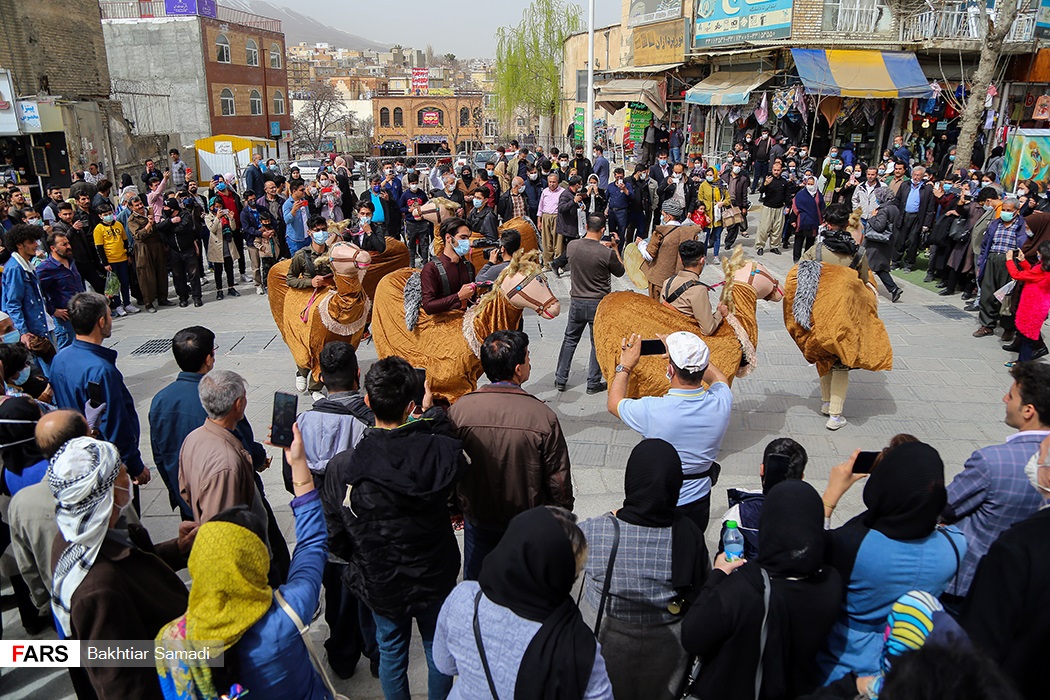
144,9
962,25
854,20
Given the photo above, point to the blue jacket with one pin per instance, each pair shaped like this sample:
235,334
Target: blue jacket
175,412
22,300
253,180
296,229
601,169
71,371
58,283
617,199
271,652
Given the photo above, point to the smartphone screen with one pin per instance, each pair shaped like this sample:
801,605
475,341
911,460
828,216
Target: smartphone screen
864,462
653,347
285,406
95,394
775,468
421,389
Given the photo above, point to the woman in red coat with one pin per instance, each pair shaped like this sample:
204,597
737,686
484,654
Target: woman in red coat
1035,298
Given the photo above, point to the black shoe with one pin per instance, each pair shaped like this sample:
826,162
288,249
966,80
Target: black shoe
219,295
1041,352
559,387
907,268
775,251
598,388
166,302
1010,336
1014,346
373,667
233,292
968,295
928,278
198,303
971,307
344,671
183,303
760,251
943,285
895,296
946,292
895,266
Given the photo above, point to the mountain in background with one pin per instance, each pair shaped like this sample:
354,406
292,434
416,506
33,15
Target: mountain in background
301,28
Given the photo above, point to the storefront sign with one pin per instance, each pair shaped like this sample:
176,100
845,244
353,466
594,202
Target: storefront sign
204,8
729,22
1042,20
660,43
29,116
275,129
1042,108
431,118
649,11
286,136
420,81
8,113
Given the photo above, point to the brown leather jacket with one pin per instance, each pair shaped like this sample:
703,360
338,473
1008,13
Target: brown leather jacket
518,455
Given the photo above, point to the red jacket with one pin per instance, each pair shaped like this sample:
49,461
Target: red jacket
1035,296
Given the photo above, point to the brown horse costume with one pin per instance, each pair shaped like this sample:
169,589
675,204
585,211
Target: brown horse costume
733,345
439,209
448,345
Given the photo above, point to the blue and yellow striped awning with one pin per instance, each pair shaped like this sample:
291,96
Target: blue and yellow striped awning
867,74
726,88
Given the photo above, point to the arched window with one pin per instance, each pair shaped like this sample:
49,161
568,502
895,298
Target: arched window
464,116
384,117
275,56
226,100
278,102
255,102
222,49
430,116
252,51
399,117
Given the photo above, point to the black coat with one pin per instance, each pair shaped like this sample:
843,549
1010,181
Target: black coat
505,207
483,221
568,224
178,237
397,533
1007,614
668,189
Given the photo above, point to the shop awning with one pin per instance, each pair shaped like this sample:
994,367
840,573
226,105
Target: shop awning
615,94
867,74
659,68
726,88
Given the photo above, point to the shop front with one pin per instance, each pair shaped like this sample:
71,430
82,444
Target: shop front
32,140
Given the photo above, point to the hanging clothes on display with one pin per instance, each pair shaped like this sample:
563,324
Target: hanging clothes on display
762,113
801,104
782,102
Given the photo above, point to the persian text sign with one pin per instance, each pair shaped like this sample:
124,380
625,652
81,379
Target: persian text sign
431,119
728,22
659,43
420,80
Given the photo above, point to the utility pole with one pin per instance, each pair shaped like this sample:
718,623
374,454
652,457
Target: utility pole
588,124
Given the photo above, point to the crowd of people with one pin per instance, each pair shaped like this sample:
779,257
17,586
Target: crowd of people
933,591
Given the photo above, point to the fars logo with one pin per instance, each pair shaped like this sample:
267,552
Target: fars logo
18,653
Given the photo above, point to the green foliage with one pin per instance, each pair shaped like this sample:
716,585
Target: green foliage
529,58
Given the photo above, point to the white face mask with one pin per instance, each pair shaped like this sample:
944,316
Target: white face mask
414,188
1031,470
812,189
736,169
532,176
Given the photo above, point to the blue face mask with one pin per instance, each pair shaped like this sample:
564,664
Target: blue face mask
663,161
375,188
320,237
947,187
462,247
951,156
22,377
11,337
221,187
1007,216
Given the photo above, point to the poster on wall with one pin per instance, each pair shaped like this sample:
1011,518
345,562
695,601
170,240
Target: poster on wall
420,81
636,119
1042,20
647,11
729,22
1027,157
660,43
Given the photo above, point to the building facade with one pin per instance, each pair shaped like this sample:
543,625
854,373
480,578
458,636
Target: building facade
421,122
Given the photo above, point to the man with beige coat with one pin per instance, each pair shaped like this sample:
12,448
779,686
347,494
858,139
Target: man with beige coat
661,250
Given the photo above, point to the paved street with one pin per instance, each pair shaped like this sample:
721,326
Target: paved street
946,387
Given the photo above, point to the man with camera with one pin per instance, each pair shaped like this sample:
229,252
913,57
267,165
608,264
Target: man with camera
500,256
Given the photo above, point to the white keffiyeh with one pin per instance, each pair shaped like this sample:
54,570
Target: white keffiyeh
81,477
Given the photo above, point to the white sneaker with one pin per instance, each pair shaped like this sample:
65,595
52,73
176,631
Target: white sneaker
119,311
825,408
131,309
318,396
246,279
835,422
300,383
259,291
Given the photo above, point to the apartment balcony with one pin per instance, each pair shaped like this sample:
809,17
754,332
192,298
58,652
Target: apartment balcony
868,18
963,27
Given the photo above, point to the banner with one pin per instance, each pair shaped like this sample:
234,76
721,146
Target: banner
204,8
660,43
431,118
732,22
420,81
1042,20
649,11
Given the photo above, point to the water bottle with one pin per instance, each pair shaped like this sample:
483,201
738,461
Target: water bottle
733,542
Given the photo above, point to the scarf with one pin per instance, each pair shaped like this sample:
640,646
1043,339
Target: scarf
905,493
18,417
228,565
839,241
81,477
1039,223
652,482
531,572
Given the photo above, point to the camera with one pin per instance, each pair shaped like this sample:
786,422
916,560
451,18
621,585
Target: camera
484,243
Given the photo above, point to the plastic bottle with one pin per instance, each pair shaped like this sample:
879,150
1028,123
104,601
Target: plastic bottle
733,542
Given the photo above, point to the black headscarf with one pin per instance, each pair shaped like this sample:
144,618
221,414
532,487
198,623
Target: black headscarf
652,482
125,181
905,493
19,455
791,534
532,571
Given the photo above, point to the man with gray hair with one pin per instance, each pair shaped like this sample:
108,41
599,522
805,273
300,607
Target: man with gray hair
1004,237
917,205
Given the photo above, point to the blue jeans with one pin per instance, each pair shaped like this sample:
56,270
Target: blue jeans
64,334
393,636
478,543
581,315
120,269
714,238
676,154
294,245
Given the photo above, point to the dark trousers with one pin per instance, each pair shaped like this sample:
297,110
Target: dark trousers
731,233
562,260
887,281
120,269
351,627
958,280
417,235
478,543
699,511
581,315
185,274
94,276
227,263
804,240
761,170
908,239
618,222
993,278
238,240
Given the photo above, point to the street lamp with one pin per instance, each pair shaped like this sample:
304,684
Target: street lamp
588,124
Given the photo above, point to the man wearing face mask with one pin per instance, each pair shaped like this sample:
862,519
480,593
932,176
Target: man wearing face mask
805,160
490,185
447,281
450,190
660,170
581,163
513,204
737,182
601,167
482,218
417,229
179,230
305,272
1004,235
533,189
563,167
571,213
390,191
992,492
918,206
760,156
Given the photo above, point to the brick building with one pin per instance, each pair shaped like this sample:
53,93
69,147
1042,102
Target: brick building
196,75
421,122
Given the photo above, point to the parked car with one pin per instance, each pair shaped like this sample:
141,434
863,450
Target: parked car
483,157
308,168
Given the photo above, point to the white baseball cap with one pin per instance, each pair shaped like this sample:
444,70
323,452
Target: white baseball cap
687,351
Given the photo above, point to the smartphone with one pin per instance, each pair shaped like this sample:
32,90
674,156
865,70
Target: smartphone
285,406
653,347
95,394
864,462
421,374
775,468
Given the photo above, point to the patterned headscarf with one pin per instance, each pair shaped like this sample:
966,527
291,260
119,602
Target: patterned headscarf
883,195
81,477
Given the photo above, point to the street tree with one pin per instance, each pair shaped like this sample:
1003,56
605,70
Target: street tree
321,112
529,59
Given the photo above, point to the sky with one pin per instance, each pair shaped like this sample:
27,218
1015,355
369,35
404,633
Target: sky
465,29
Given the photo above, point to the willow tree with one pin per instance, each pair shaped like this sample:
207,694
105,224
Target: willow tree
529,60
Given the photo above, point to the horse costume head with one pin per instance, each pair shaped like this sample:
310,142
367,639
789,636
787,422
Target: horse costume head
524,286
348,260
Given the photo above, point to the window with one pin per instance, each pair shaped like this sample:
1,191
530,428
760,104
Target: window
430,116
252,51
464,116
255,102
490,128
275,56
384,117
399,117
222,49
857,16
278,102
226,100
